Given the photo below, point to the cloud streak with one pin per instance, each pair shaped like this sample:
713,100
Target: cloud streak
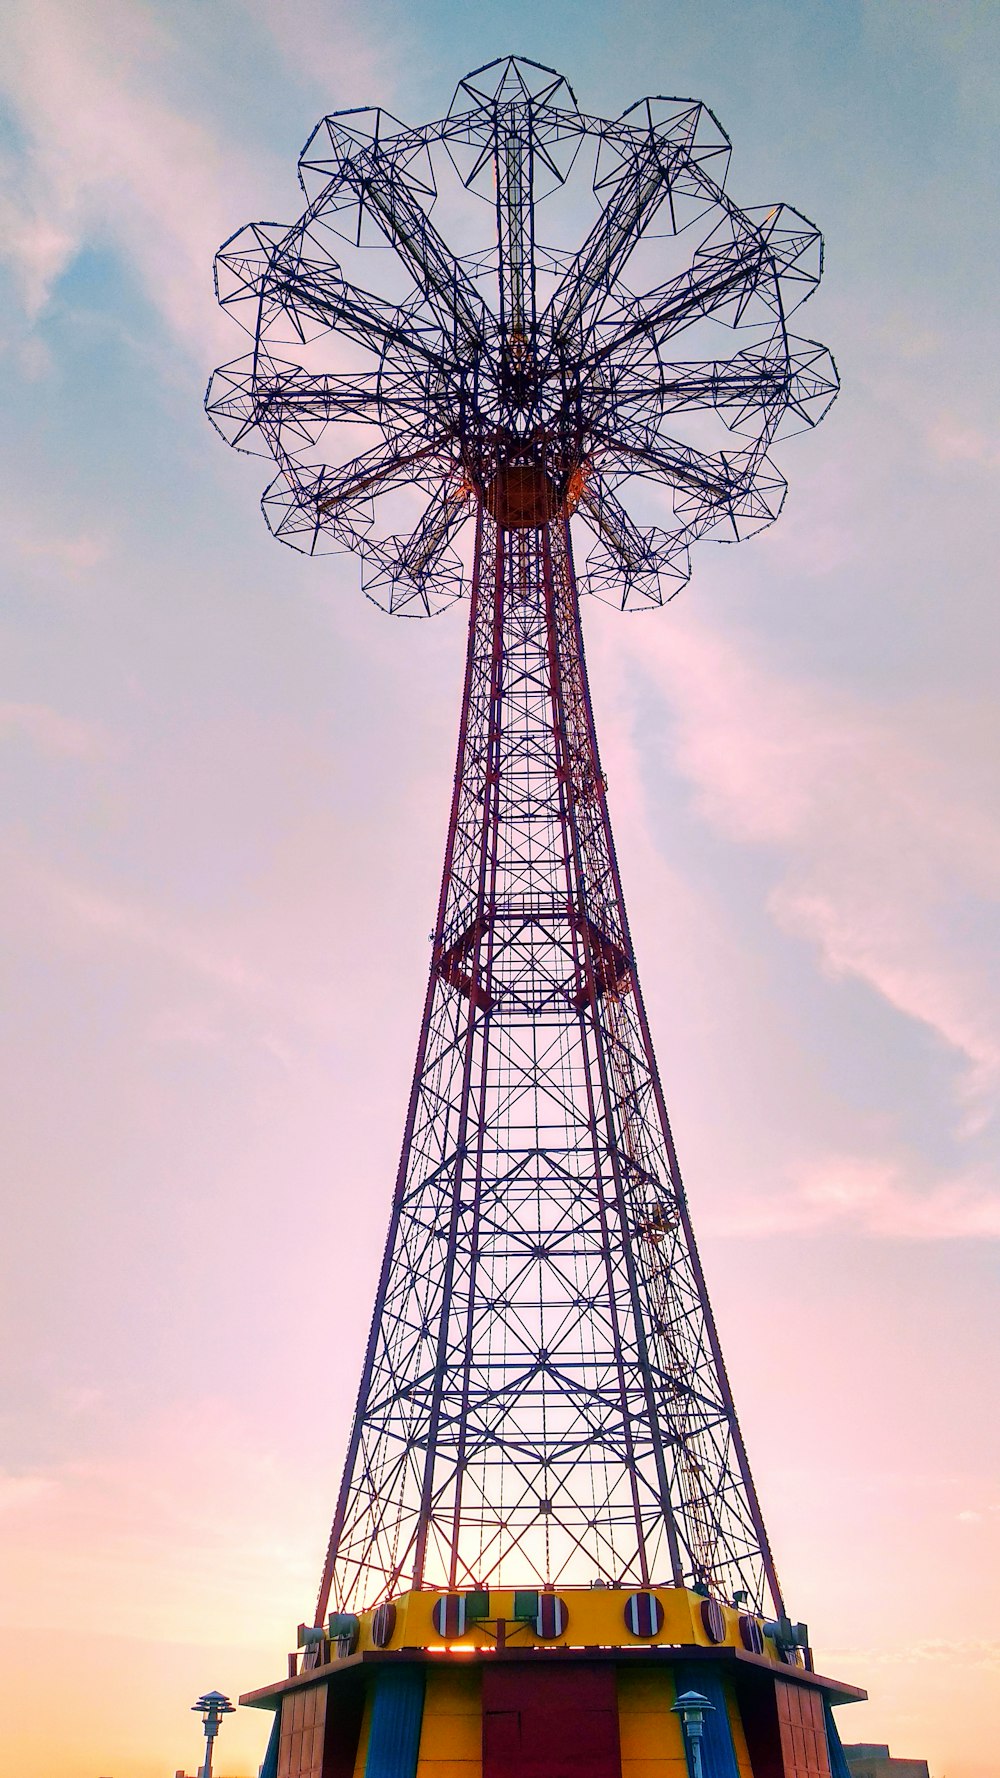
76,911
133,1534
867,1194
109,160
52,733
885,860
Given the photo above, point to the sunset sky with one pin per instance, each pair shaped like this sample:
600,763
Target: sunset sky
224,790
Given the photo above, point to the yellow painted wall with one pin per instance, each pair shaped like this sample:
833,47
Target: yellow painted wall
651,1740
451,1739
595,1619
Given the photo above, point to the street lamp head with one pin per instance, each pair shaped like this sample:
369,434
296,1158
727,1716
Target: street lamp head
212,1707
691,1707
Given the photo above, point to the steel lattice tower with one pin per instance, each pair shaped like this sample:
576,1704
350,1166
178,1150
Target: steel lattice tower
544,1399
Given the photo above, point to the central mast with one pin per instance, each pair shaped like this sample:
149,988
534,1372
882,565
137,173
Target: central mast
543,1397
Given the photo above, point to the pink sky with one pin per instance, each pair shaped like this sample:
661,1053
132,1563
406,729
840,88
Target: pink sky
225,781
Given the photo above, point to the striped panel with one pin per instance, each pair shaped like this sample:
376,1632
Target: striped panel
751,1634
552,1616
449,1615
713,1622
383,1624
643,1614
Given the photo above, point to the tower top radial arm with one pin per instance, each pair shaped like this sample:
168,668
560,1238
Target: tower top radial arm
543,377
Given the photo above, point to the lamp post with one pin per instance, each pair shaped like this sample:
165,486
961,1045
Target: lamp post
691,1707
212,1707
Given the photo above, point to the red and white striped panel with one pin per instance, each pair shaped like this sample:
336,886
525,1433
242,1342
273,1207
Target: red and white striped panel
713,1621
751,1634
383,1624
643,1614
552,1616
449,1615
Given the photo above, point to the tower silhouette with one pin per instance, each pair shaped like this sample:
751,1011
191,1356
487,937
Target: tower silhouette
544,1404
543,1398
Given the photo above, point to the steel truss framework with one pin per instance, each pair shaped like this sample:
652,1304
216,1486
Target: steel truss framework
544,1398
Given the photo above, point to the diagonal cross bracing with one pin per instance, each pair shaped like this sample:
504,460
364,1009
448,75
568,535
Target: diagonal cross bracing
543,1398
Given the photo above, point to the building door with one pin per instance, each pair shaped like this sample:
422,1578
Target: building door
542,1721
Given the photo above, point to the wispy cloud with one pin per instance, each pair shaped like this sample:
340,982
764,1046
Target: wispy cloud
34,538
980,1652
319,44
112,155
72,555
108,159
212,980
972,1515
870,1195
18,1492
114,918
51,732
953,440
135,1533
885,857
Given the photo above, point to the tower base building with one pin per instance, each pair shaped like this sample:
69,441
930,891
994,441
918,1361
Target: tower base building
596,1683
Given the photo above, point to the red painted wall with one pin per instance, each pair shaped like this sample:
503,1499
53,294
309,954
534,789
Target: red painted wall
550,1722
